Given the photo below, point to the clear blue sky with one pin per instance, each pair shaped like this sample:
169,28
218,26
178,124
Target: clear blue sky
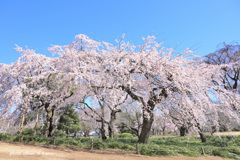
196,24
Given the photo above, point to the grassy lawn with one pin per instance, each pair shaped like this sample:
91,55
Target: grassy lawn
196,135
224,146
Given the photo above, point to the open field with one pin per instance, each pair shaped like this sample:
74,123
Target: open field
227,134
19,151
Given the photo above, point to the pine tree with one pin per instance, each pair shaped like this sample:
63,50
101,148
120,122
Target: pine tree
69,122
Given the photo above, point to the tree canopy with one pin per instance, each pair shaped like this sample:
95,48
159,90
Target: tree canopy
149,74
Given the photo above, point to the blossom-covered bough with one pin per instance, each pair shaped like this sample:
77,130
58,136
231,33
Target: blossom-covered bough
149,74
34,81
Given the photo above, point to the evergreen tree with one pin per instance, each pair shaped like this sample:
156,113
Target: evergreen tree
69,122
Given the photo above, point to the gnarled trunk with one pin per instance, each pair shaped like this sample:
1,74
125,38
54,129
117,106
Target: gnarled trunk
147,110
200,132
183,131
102,129
146,125
111,122
202,137
50,124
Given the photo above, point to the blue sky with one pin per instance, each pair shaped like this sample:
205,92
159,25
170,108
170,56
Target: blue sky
197,24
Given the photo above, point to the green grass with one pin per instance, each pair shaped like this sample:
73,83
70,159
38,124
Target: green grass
226,146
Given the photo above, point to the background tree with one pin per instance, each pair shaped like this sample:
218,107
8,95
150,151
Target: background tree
98,114
69,122
229,79
88,119
130,120
162,124
228,53
86,129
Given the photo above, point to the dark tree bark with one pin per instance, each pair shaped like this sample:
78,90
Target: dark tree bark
183,131
102,129
110,131
200,132
203,137
103,132
146,125
50,123
110,128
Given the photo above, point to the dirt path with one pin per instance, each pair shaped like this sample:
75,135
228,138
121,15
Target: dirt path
18,151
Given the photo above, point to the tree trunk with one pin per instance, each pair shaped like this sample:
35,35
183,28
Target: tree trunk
200,132
103,132
183,131
110,130
111,122
163,130
213,130
146,125
86,133
153,131
203,137
50,124
23,118
102,129
35,127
